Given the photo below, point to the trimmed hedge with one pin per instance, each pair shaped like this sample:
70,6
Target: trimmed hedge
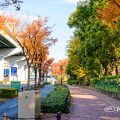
58,100
108,84
72,81
8,92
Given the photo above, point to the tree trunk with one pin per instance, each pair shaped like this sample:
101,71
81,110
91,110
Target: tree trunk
61,79
35,80
106,71
43,75
46,75
116,70
28,81
39,76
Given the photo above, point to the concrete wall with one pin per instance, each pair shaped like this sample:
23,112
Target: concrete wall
8,60
13,61
9,51
1,68
22,70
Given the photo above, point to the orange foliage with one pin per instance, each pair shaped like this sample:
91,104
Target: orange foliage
31,39
47,63
111,13
59,67
34,39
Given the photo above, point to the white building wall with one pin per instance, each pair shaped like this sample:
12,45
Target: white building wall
1,68
26,72
21,70
14,61
7,60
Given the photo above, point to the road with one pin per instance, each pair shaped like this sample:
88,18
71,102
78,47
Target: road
45,90
11,107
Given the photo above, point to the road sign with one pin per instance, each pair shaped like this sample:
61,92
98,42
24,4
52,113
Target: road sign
6,72
15,84
13,71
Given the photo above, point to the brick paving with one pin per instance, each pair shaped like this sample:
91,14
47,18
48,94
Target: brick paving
90,105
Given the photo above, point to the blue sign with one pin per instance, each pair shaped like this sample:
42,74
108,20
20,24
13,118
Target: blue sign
6,72
13,71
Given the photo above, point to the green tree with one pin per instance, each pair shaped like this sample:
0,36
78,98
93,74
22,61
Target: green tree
99,44
73,68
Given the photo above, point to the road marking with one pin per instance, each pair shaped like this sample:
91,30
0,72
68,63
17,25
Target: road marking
13,106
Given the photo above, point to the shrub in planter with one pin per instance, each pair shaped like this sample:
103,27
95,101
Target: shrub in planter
55,101
8,92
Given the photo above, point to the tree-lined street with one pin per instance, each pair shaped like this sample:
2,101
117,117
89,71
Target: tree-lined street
73,79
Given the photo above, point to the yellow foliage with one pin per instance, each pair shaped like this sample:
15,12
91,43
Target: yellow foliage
79,73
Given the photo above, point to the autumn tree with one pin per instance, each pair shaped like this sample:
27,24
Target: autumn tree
34,40
110,14
45,67
59,69
35,33
39,37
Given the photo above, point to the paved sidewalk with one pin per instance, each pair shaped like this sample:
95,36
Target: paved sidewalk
91,105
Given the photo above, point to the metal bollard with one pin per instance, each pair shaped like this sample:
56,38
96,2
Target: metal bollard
58,116
65,104
22,89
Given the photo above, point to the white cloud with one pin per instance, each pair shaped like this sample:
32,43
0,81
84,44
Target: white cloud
72,1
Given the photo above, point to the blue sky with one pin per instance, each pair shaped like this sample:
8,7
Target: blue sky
57,12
